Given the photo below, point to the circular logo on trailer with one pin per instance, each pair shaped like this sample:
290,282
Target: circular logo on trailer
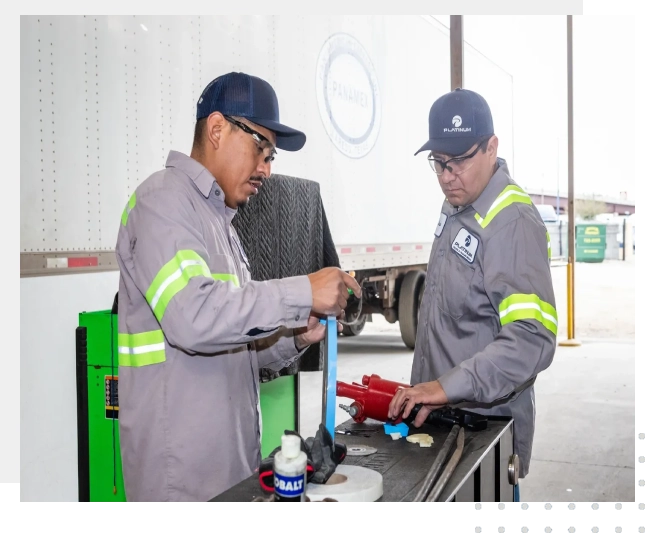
348,95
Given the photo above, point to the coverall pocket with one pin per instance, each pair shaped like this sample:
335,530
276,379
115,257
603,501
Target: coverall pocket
455,286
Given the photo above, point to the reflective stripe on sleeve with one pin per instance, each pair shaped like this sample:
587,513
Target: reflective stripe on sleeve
129,207
142,349
548,245
227,277
527,306
174,276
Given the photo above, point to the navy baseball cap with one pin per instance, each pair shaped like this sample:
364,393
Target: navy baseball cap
241,95
457,121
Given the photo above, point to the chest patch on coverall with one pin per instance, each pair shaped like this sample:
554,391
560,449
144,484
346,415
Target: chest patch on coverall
465,245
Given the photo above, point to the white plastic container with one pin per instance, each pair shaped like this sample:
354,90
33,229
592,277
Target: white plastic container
290,471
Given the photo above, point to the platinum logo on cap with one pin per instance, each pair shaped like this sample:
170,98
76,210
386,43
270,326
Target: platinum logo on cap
456,121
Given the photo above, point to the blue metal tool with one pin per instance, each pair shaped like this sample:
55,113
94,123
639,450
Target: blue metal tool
329,374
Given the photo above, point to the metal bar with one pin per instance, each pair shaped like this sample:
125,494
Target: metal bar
456,52
35,264
487,478
439,461
329,375
450,468
323,344
296,387
624,239
571,194
571,261
506,449
82,416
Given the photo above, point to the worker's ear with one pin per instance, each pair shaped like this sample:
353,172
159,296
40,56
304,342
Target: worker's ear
214,126
493,143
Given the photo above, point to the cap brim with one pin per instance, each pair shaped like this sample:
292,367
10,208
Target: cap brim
287,138
456,146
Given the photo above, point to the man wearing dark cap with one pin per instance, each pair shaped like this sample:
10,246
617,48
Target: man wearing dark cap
487,323
194,329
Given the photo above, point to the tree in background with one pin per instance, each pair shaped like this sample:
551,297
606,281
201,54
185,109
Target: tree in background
589,209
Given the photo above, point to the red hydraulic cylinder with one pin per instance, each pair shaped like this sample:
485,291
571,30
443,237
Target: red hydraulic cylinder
371,399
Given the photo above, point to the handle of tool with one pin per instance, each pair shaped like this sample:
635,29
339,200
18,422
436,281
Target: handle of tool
450,468
433,473
330,361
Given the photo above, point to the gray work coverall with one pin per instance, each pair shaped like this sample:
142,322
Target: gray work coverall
488,324
193,332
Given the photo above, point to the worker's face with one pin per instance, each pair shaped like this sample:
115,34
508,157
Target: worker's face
243,157
465,177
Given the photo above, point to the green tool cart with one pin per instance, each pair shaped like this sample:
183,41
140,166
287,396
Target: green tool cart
97,367
591,242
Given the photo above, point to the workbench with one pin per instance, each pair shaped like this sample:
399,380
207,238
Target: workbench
482,474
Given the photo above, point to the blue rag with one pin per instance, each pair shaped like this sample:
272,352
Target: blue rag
401,428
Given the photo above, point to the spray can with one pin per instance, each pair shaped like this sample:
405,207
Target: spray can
290,471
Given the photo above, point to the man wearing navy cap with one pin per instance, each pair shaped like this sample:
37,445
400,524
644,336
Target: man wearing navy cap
194,329
487,323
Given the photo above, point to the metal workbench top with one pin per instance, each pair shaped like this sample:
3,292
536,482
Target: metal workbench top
480,475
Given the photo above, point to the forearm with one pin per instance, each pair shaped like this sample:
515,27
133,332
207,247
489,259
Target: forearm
279,350
520,351
211,316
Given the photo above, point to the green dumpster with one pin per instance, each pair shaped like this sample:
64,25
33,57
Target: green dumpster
591,242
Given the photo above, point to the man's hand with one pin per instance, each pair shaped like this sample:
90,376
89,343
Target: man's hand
329,290
430,394
313,333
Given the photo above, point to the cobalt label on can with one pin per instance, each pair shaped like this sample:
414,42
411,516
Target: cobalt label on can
289,488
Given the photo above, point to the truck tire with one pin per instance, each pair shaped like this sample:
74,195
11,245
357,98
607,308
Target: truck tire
284,232
409,301
356,329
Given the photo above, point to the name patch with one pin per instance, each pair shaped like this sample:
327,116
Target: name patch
465,245
441,225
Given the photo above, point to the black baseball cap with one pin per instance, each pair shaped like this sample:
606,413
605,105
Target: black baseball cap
242,95
458,120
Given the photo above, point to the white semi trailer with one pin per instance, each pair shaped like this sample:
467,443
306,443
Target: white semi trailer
103,100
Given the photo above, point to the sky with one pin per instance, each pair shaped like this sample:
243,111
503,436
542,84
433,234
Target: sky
533,49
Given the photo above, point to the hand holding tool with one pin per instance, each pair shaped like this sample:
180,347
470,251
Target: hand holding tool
372,400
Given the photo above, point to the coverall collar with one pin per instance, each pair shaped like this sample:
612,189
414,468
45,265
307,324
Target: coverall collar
201,177
496,185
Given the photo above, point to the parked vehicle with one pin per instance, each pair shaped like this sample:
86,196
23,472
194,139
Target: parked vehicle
547,212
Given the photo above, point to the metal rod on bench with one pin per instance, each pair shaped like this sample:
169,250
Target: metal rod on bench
435,469
450,467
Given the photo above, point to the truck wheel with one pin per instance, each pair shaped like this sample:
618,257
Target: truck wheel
356,329
409,301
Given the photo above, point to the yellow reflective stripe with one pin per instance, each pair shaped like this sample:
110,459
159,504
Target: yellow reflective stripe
510,195
548,244
173,277
227,277
527,306
130,205
141,349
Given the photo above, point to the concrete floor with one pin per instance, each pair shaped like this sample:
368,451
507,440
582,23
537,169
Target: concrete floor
584,446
